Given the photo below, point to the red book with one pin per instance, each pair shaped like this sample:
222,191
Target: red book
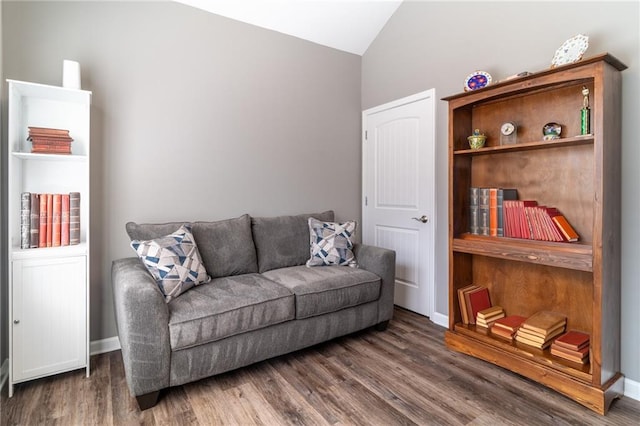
526,226
49,220
574,340
42,231
510,322
64,220
56,220
477,300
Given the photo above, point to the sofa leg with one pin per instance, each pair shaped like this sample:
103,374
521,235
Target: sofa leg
147,400
382,326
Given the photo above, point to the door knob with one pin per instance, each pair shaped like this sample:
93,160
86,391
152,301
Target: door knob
423,219
16,321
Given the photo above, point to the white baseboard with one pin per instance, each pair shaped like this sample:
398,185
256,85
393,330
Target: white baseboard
4,373
105,345
440,319
632,389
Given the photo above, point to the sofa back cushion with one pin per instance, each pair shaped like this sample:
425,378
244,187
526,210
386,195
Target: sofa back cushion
283,241
149,231
226,246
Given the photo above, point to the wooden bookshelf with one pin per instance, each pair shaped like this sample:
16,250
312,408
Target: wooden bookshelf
579,175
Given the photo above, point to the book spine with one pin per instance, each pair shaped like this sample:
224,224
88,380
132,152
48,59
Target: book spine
500,212
25,220
64,221
49,219
473,211
483,211
74,218
493,212
34,238
56,220
42,242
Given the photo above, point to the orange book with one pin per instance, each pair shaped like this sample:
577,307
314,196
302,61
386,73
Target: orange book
42,231
56,220
64,220
493,212
565,228
49,219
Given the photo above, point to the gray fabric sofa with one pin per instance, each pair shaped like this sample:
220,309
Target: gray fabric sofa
262,301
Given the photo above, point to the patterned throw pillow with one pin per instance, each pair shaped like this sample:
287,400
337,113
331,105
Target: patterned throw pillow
174,262
331,243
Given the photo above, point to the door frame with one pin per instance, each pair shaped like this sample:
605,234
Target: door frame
431,152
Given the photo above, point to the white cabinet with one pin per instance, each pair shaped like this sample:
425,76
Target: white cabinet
49,316
48,286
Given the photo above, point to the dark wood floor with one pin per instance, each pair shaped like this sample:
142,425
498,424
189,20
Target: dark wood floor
403,375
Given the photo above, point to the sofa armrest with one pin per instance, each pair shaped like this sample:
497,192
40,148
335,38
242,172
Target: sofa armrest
381,262
142,318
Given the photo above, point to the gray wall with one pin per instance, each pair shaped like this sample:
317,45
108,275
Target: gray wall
194,117
437,44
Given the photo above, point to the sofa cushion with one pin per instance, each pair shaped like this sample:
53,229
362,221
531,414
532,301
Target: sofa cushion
225,307
173,261
331,243
226,246
328,289
283,241
149,231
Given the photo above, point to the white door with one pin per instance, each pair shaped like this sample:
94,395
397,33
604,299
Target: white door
398,184
49,316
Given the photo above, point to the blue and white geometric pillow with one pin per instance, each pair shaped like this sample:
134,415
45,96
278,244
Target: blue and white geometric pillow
331,243
174,261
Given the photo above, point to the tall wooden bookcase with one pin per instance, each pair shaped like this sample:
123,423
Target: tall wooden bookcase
48,287
580,175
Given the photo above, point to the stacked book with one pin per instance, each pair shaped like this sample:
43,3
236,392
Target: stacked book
45,140
472,299
507,327
486,317
573,346
539,329
49,220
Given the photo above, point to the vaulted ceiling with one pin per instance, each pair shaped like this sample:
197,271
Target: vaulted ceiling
348,25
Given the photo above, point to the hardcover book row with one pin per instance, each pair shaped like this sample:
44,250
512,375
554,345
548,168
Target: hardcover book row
49,220
541,330
497,212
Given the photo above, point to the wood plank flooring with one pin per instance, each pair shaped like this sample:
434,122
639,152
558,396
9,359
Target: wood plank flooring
402,376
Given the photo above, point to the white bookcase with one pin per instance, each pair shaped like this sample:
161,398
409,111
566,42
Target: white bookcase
48,287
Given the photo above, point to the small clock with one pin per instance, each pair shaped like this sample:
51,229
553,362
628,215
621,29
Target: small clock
508,133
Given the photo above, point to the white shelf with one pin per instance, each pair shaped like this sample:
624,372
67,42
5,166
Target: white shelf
49,157
49,252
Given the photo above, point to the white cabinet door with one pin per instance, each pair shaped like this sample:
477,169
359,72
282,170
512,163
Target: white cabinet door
49,321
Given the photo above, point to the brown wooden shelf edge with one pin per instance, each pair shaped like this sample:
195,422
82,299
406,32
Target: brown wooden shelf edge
593,397
528,146
573,256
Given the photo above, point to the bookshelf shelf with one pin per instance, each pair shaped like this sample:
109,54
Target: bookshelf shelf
48,286
564,255
578,175
528,146
50,157
50,252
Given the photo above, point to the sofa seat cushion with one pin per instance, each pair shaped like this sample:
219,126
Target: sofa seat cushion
326,289
225,307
